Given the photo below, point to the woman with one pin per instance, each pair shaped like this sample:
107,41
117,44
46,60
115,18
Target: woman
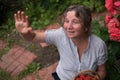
79,49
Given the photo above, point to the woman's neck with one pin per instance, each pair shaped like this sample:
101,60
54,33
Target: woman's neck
80,41
82,44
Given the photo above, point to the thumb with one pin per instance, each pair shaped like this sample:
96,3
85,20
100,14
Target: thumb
29,28
26,30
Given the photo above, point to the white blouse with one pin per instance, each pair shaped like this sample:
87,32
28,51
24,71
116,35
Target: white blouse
69,63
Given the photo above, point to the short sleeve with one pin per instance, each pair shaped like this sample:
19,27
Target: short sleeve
53,36
102,54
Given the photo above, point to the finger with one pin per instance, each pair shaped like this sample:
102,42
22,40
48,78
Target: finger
27,21
26,30
15,17
29,29
22,16
18,16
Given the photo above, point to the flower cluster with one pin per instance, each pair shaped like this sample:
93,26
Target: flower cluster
112,22
87,75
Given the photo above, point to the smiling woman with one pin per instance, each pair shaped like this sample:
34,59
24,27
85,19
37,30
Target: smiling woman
80,18
78,48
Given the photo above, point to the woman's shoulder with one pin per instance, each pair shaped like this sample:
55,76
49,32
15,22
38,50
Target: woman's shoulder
57,31
96,40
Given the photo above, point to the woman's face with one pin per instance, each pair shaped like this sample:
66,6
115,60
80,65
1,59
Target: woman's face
73,25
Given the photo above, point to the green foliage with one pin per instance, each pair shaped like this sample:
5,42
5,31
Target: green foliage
31,68
4,51
45,12
4,75
100,31
95,5
7,30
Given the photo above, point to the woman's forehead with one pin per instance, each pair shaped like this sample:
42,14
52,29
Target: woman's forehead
71,14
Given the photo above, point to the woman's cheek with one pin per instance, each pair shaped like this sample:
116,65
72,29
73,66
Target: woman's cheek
65,27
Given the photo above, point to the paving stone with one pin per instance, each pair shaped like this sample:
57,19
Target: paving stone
6,62
12,67
3,65
30,77
18,70
26,58
16,60
2,45
46,73
7,59
15,52
18,53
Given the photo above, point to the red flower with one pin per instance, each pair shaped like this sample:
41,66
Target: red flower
109,4
117,4
114,29
115,37
108,18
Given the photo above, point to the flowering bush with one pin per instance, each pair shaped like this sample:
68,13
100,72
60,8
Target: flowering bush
112,20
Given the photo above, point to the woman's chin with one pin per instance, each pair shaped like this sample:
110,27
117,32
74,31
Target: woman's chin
69,36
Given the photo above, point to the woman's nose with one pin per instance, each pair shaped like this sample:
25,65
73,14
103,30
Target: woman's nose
70,25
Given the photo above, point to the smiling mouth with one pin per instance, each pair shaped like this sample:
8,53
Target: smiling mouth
70,31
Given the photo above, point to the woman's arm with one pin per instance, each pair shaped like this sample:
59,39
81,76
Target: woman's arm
101,70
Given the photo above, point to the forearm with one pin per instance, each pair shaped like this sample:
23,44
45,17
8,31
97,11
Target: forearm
101,70
102,74
34,36
28,36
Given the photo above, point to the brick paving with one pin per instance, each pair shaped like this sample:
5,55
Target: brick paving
16,60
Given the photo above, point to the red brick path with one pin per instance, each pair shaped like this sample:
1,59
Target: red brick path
16,60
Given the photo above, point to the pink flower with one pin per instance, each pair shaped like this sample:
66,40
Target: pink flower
109,4
108,18
117,4
114,29
115,37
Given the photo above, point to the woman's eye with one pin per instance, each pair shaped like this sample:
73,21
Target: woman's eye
66,21
76,22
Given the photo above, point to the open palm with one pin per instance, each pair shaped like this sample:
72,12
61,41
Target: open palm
22,23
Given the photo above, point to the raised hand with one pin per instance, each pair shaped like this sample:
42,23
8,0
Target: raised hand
22,22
